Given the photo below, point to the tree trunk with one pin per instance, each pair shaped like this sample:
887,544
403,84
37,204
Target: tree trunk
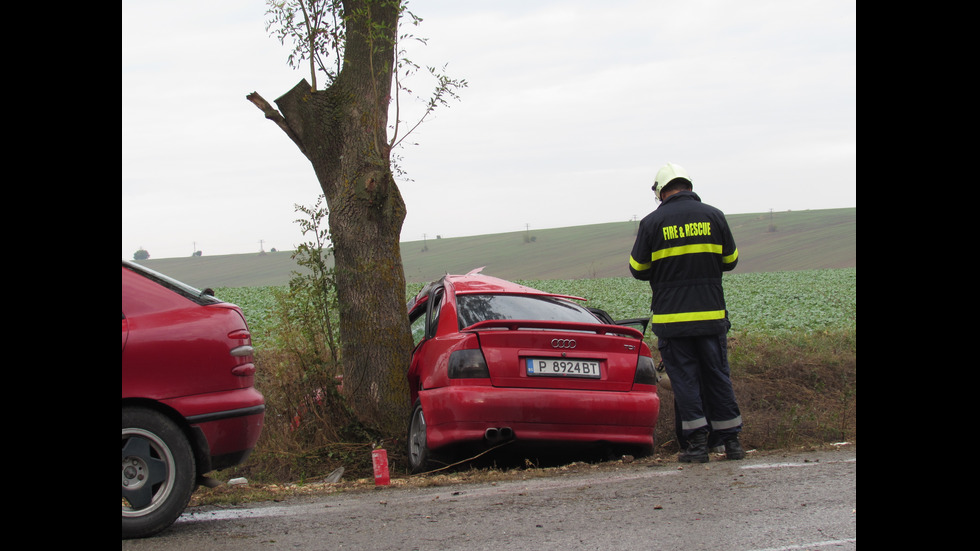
342,130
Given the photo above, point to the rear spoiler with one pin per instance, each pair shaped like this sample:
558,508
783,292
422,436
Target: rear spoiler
598,328
638,323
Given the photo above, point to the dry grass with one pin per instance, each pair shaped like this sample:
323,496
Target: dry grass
794,390
309,430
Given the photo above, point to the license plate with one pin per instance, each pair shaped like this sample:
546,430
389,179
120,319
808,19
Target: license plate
563,367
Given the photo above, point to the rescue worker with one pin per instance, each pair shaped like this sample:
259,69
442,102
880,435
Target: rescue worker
682,248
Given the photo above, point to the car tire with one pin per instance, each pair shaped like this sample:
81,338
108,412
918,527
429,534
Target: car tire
419,454
158,472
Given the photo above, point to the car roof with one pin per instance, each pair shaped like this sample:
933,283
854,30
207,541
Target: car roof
475,282
479,283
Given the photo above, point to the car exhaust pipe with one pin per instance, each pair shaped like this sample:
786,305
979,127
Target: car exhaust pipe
495,435
492,435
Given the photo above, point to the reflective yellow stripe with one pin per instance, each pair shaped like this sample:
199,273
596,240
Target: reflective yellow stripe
688,316
730,258
637,266
686,249
682,250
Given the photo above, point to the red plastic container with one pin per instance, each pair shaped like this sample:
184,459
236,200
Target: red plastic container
380,460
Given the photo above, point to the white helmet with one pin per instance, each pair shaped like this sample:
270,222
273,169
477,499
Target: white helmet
666,174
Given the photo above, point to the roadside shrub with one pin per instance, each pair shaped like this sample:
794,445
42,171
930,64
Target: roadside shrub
310,429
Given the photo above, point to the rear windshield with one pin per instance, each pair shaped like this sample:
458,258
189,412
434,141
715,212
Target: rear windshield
201,297
476,308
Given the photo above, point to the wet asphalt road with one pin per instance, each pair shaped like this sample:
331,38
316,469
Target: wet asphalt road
774,501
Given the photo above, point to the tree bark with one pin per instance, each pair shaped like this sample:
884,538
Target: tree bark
342,130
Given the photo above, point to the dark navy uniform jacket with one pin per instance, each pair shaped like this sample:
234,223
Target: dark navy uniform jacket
682,248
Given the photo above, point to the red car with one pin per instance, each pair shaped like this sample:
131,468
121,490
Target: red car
495,361
188,401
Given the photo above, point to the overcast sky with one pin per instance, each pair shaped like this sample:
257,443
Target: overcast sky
571,108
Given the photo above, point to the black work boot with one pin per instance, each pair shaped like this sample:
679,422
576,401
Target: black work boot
733,448
697,449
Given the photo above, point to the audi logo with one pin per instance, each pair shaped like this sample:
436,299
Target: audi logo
563,343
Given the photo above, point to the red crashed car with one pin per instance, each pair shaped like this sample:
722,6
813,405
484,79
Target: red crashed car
188,401
495,361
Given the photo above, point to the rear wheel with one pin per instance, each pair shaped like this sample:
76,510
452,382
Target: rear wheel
419,454
158,472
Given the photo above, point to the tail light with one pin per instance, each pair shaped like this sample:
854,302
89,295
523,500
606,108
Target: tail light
468,364
646,372
243,353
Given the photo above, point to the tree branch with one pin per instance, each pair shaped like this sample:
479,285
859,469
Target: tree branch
274,116
311,32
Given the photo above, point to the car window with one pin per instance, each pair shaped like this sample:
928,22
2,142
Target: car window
423,322
476,308
434,313
418,329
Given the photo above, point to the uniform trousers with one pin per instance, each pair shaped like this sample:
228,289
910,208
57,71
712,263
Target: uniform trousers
701,381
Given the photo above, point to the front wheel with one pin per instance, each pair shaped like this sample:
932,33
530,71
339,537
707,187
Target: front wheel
158,472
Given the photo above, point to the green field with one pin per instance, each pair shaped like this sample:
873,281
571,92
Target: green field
792,302
802,276
802,240
771,303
